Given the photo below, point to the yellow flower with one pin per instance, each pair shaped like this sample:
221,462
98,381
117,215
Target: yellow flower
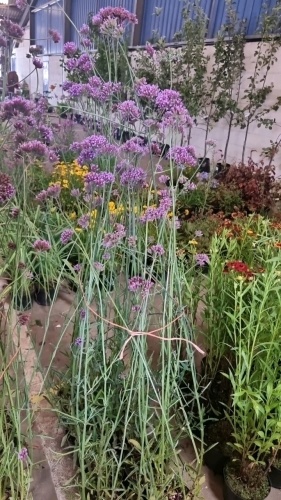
94,214
193,242
111,206
73,215
53,209
240,278
186,212
78,229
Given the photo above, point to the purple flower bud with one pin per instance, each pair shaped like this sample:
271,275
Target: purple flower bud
37,63
23,455
78,342
66,236
42,245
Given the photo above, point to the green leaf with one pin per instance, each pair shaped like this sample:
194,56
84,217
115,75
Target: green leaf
135,443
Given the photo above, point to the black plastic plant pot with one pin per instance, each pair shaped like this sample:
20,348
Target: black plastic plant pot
203,269
275,477
173,183
215,460
204,165
229,494
22,302
106,282
44,297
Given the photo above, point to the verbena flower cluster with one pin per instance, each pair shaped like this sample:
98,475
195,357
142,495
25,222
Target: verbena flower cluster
7,190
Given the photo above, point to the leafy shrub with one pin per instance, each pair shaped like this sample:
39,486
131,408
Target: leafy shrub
255,183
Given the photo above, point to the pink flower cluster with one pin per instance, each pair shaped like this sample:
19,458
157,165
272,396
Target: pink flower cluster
123,16
35,147
92,147
10,29
137,284
21,4
135,146
55,35
183,156
157,213
42,245
111,240
129,111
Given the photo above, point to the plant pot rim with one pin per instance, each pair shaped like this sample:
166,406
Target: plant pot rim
236,494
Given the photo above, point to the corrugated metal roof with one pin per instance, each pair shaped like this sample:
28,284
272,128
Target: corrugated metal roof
11,12
169,20
50,17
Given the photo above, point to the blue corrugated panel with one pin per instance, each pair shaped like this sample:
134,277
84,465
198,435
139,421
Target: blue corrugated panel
249,10
169,20
161,17
80,10
50,17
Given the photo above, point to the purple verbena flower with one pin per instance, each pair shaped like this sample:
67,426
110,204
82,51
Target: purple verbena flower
157,249
78,342
7,190
66,236
54,191
135,146
84,221
15,211
106,256
42,196
92,147
35,147
183,155
99,266
38,63
189,186
23,455
77,268
164,178
133,177
46,133
111,240
202,259
112,28
129,111
121,15
55,35
75,193
82,313
138,284
69,49
15,106
85,29
10,29
149,49
147,91
93,180
132,241
21,4
42,245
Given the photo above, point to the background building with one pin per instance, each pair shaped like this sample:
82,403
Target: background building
156,18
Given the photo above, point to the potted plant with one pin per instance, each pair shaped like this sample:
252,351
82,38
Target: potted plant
275,468
255,381
17,268
47,271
